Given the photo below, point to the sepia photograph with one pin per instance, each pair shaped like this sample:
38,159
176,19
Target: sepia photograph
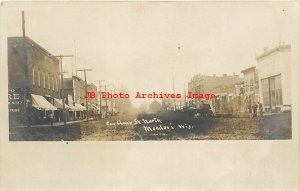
110,72
149,95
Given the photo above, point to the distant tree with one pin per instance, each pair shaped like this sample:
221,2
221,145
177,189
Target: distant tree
143,108
155,106
123,104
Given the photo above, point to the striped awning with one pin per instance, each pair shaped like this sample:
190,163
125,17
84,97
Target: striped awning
40,103
77,107
59,105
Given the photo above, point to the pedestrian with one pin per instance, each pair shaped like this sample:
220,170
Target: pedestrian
260,109
249,107
51,118
254,107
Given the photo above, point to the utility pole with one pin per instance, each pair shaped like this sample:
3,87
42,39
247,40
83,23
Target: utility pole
112,103
86,102
174,93
62,96
100,96
75,59
106,104
184,90
27,97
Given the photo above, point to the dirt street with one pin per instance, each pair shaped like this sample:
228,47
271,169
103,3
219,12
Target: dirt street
159,127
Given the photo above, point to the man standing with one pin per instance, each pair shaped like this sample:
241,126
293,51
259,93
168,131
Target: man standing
51,117
254,107
260,109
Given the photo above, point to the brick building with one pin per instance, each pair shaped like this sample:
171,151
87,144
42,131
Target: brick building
75,87
43,68
92,88
43,76
74,90
207,84
222,86
251,87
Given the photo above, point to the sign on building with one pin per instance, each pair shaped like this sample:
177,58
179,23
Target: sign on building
15,100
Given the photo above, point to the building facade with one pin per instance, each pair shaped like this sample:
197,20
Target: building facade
251,87
74,92
274,71
75,87
221,86
206,84
43,79
92,88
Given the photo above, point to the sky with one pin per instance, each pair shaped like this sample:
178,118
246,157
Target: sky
142,46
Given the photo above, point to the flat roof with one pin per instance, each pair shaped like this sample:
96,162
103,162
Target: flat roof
19,39
248,69
280,47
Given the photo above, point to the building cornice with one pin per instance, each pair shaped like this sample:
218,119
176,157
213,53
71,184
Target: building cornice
248,69
34,44
268,52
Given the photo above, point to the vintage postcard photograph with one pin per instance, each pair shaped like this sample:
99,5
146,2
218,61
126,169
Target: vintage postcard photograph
149,71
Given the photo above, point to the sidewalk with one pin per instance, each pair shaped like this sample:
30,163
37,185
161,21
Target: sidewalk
55,124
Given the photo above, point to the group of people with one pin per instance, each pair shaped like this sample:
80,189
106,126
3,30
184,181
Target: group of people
256,107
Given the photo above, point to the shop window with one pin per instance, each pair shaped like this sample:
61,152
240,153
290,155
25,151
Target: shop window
265,91
272,91
278,90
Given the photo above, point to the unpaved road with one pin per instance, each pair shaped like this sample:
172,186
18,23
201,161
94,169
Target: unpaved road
133,128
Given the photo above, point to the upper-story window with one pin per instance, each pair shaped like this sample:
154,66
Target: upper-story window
56,84
53,83
33,82
44,80
49,82
39,78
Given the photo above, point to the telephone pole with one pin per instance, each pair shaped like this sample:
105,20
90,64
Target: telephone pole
112,103
26,85
174,94
100,96
62,96
85,86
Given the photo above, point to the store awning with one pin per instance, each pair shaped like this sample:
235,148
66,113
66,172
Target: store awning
40,103
82,108
59,105
95,107
77,107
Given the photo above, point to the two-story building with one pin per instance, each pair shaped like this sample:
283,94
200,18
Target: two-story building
251,87
74,90
43,78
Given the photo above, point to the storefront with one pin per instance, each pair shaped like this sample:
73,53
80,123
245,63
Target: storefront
40,110
76,111
59,112
274,71
272,92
